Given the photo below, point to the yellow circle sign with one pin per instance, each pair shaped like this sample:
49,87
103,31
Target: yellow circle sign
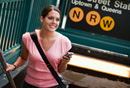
107,23
93,18
76,14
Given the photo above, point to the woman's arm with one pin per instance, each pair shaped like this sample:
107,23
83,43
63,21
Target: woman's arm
21,59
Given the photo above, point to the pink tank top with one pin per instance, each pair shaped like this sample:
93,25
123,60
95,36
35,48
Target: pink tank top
37,73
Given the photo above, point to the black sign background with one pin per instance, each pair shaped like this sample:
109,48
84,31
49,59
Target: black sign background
121,29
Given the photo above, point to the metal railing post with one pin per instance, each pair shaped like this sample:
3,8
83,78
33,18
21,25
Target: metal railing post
8,74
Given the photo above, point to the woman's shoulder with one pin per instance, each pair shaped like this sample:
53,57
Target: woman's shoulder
64,39
26,35
26,38
65,42
63,36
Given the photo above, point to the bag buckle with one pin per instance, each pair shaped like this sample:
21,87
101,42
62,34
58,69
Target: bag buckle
48,65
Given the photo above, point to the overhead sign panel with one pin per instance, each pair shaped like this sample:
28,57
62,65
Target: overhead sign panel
103,17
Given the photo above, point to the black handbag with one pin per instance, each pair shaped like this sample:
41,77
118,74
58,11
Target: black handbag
58,79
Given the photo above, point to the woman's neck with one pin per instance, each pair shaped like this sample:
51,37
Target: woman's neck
47,34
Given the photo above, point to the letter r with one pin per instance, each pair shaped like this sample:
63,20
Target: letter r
93,17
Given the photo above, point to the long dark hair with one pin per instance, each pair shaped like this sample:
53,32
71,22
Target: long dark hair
49,8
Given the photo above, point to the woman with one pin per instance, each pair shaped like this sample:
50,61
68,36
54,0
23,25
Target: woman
54,45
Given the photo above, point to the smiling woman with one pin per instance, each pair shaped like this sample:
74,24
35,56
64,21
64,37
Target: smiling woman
51,21
54,45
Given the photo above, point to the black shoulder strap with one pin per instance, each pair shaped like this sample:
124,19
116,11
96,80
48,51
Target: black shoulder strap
35,40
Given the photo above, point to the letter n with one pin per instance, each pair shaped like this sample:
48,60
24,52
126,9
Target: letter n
76,14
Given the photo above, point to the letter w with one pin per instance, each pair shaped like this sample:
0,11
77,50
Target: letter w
76,14
107,23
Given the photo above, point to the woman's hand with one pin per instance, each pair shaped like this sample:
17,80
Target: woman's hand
63,63
66,59
9,68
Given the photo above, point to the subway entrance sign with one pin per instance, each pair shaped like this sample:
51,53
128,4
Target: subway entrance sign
104,17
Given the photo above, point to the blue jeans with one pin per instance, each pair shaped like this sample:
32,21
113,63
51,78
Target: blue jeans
26,85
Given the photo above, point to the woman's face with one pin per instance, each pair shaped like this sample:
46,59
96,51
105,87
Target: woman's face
51,21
